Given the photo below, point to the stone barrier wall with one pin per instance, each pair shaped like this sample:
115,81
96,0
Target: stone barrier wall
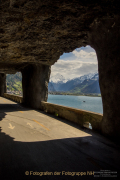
13,97
78,116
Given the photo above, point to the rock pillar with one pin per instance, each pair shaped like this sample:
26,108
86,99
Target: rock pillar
106,41
35,80
2,83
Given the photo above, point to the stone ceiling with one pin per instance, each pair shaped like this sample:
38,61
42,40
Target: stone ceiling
40,31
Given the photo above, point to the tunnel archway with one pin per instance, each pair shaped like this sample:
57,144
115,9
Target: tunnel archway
49,29
76,73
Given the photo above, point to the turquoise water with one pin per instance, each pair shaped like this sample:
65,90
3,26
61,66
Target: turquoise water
93,104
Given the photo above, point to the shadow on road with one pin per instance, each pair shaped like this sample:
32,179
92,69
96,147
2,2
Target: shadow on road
82,154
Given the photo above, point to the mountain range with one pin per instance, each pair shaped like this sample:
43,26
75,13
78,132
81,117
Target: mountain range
85,84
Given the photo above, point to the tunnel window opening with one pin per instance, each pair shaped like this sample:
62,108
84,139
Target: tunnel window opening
14,83
75,77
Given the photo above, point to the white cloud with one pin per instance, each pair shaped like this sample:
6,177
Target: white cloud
72,69
77,63
85,55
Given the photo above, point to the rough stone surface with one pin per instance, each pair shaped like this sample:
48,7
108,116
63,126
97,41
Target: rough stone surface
2,84
13,97
107,46
35,80
75,115
40,31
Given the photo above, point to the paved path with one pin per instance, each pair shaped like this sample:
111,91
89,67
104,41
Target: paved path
48,147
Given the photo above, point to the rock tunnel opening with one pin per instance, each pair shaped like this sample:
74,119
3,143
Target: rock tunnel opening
75,77
75,74
42,34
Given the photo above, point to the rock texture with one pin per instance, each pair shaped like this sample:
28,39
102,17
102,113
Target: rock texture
107,46
36,32
2,84
35,80
40,31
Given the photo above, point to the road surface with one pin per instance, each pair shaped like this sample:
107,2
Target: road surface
37,145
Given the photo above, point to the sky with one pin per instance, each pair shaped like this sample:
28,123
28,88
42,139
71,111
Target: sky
75,64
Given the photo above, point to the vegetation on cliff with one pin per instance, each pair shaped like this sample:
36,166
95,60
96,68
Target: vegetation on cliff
14,82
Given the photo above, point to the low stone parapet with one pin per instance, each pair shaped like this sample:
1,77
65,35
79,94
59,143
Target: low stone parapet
13,97
78,116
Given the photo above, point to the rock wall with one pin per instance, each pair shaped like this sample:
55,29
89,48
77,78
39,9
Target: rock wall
2,84
37,31
105,39
35,80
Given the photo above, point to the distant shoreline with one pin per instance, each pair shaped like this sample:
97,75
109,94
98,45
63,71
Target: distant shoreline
70,94
59,93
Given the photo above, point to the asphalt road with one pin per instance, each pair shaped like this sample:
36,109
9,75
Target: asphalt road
37,145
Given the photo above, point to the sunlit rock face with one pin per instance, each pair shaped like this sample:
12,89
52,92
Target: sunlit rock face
39,31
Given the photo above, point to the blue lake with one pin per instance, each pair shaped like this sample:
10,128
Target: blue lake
93,104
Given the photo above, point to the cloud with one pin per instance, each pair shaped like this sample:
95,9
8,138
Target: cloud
72,69
77,63
85,55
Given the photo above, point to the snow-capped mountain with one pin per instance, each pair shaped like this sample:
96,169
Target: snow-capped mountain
87,76
95,77
61,84
89,85
58,78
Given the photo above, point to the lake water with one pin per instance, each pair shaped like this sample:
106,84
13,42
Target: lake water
93,104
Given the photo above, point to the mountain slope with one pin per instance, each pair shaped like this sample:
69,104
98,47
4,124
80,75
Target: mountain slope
92,88
71,84
85,84
88,86
14,82
51,87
